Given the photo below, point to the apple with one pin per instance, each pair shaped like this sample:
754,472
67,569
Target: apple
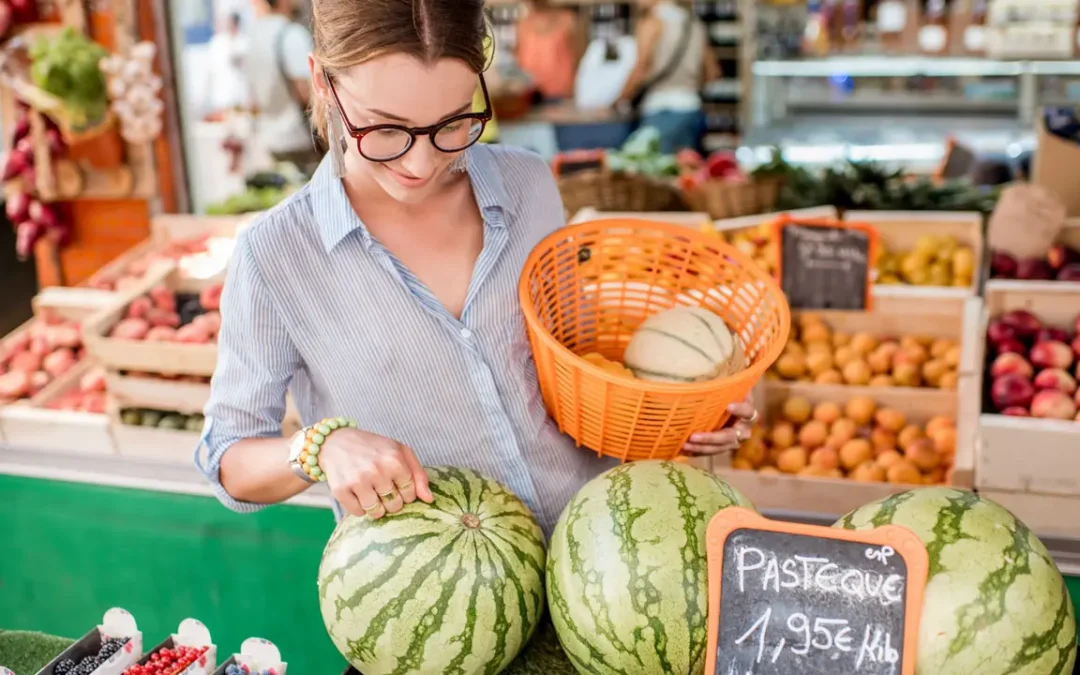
1027,325
1003,265
998,331
1055,378
1061,255
1011,391
1076,346
1051,354
1051,333
1070,272
1011,363
1011,345
1016,411
1052,404
1034,269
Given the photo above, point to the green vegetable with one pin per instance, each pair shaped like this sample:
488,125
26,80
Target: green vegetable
131,417
455,586
194,423
249,201
995,602
173,421
67,66
151,418
627,575
640,154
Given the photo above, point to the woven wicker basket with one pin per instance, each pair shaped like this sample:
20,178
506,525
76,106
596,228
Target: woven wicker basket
721,199
613,191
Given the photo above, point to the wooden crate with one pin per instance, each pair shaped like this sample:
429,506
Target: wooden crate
692,219
731,225
1018,454
149,357
33,426
835,497
899,230
151,443
1046,515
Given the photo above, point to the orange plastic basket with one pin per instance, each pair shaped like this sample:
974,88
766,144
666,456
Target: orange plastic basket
586,288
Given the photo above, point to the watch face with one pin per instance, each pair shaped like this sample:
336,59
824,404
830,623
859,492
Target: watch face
296,446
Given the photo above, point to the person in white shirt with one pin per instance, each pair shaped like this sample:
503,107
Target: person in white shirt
227,85
277,68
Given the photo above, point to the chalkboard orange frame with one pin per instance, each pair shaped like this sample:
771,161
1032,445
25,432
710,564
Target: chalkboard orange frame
872,246
901,539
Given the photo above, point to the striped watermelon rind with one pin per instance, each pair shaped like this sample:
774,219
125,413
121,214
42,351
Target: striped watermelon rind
451,588
627,573
995,601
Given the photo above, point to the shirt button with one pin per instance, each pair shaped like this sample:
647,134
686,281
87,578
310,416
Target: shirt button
466,333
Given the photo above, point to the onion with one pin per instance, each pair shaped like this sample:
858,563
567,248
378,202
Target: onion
27,234
117,87
55,140
22,128
17,163
135,71
18,207
29,176
144,51
43,215
25,146
60,233
139,95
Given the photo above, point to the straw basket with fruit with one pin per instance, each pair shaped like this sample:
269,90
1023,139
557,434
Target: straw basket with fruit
644,332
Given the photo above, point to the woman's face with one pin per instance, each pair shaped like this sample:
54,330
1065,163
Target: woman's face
402,90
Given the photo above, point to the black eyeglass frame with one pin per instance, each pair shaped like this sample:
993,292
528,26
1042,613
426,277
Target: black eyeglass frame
358,133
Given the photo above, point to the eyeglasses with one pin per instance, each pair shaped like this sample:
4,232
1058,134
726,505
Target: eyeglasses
387,142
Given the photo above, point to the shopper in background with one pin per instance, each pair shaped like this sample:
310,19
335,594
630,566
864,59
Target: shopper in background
674,62
549,46
281,83
384,294
226,82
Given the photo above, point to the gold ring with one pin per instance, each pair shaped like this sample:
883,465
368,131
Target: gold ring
389,496
406,484
753,418
738,434
370,509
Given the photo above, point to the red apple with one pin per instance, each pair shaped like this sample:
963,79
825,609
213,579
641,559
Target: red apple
1002,265
1051,354
1034,269
1011,345
1061,255
1027,325
1011,391
1070,272
1055,378
1051,404
998,331
1051,333
1011,363
1076,346
1016,411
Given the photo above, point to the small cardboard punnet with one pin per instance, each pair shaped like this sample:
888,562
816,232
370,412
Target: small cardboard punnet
190,633
116,624
257,657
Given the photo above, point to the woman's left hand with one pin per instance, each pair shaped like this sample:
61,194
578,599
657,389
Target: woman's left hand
728,439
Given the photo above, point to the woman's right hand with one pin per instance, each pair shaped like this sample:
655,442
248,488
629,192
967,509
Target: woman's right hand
372,475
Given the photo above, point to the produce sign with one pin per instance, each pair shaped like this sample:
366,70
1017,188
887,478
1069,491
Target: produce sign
567,163
826,264
790,598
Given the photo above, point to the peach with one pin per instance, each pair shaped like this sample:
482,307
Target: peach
1011,364
855,452
843,430
1011,391
792,460
860,409
1051,354
950,381
783,435
857,373
827,412
904,472
1053,404
882,381
1056,378
886,459
907,375
940,422
797,409
908,435
1016,411
868,472
819,362
863,343
813,434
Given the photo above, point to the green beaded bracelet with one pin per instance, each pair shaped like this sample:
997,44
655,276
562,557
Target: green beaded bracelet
314,438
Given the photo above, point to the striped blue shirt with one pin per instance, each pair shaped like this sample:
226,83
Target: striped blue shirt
315,305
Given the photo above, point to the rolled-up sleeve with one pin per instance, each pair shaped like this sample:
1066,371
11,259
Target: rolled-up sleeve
256,361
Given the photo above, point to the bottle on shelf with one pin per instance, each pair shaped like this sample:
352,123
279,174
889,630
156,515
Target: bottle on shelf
933,31
975,31
816,40
891,22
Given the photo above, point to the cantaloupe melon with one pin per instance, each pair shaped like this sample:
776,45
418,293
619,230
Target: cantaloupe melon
684,344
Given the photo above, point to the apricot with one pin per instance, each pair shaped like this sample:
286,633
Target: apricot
855,452
940,422
944,440
819,362
797,409
741,464
769,471
860,410
832,376
882,381
825,458
814,472
809,318
868,472
816,332
880,362
819,348
857,373
841,340
952,357
921,453
913,354
783,435
940,347
933,371
813,434
863,343
793,347
891,419
949,381
886,459
889,347
903,472
908,435
827,412
882,439
935,477
843,356
752,452
792,460
843,430
791,366
907,375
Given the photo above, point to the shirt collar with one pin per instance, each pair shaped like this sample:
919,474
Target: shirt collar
336,218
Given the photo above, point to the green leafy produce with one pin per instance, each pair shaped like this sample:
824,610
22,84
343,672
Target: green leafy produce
67,66
249,201
641,154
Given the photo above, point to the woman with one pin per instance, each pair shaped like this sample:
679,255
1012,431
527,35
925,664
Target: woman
674,62
385,291
549,44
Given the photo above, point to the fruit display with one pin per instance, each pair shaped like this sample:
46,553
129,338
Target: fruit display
167,661
817,353
87,396
684,344
757,243
995,603
91,662
696,171
633,538
32,358
134,89
1032,368
640,154
471,562
159,419
1061,263
166,316
934,261
858,440
178,251
233,669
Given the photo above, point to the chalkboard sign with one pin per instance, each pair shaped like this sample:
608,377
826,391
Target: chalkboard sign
787,598
957,162
826,264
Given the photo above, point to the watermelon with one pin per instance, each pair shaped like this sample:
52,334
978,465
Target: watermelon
995,602
626,573
450,588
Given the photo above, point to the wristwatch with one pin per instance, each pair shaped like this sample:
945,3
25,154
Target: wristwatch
296,446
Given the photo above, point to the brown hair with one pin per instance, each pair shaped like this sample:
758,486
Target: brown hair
350,32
